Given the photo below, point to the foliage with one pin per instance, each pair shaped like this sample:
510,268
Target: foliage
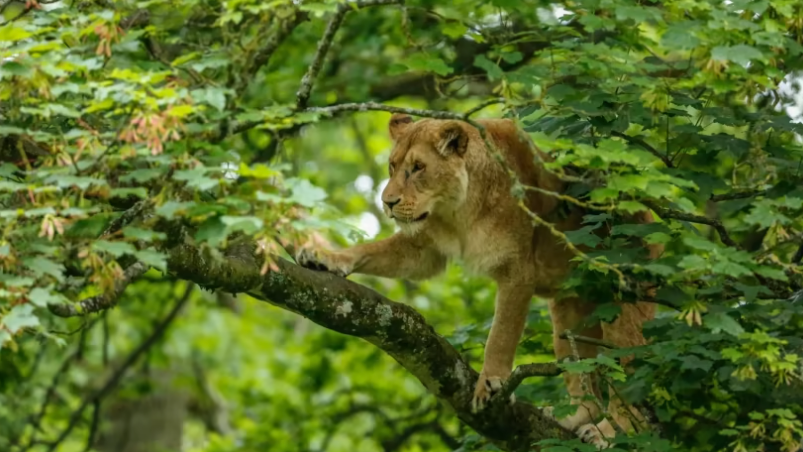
129,127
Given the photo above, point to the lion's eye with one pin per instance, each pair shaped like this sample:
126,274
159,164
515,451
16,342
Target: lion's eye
390,169
417,167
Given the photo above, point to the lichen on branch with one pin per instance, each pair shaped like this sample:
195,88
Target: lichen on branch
399,330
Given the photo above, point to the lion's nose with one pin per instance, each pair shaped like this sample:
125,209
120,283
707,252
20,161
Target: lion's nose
391,202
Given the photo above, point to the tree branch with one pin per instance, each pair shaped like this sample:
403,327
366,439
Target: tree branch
375,106
589,340
738,195
302,96
101,302
399,330
283,31
676,215
524,371
646,146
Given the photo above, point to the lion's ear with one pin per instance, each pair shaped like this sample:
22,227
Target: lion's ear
453,139
398,123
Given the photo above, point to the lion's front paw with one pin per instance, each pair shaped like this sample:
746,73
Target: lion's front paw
321,260
591,434
486,388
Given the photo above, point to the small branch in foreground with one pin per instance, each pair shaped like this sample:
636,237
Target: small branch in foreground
111,383
588,340
524,371
646,146
101,302
676,215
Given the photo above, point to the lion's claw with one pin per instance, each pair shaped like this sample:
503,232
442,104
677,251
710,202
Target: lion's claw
487,388
320,261
591,434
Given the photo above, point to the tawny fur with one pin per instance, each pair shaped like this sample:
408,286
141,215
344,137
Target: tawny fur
443,169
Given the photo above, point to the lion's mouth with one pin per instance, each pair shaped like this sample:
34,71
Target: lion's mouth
421,217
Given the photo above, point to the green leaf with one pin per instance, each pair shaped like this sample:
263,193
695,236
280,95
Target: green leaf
248,225
41,266
584,236
152,258
9,33
171,208
304,193
454,29
142,175
693,362
769,272
212,231
131,232
731,269
719,321
116,249
213,96
428,63
42,297
19,317
493,70
739,54
765,215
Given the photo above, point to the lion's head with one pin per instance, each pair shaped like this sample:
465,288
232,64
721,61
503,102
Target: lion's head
428,174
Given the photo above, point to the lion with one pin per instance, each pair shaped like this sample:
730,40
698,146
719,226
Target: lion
452,200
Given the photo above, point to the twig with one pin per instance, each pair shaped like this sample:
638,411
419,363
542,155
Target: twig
77,355
302,96
676,215
585,383
798,255
738,195
93,427
275,40
487,103
588,340
127,217
645,145
524,371
366,106
296,18
104,301
111,383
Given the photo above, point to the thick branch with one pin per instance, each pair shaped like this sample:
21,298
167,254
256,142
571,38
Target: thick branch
101,302
399,330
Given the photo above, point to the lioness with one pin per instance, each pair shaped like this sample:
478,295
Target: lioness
452,199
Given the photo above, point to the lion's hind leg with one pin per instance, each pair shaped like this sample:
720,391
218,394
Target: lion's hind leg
624,332
569,314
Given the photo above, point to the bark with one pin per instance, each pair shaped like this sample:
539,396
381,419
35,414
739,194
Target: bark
399,330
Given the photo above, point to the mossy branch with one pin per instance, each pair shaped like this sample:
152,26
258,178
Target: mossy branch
399,330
